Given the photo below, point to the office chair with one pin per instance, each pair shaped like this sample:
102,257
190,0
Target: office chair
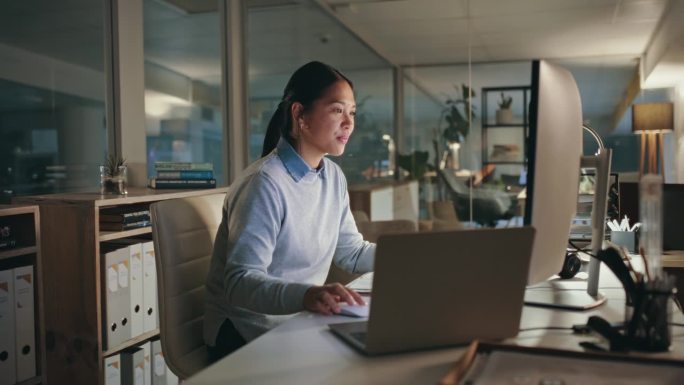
183,231
488,205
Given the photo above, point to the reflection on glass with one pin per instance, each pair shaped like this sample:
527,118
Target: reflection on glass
52,97
183,85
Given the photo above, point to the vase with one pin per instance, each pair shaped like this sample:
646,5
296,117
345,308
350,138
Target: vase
114,184
504,116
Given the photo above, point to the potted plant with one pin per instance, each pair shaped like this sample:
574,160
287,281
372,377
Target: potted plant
113,176
457,115
504,115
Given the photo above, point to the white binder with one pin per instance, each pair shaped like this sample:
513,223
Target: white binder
147,351
117,296
113,370
136,310
132,367
158,364
136,289
171,378
24,323
7,356
150,315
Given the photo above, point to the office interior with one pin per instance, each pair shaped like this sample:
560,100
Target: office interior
198,80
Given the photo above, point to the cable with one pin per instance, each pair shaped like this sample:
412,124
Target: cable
580,250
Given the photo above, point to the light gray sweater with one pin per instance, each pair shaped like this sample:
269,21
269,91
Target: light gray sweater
283,224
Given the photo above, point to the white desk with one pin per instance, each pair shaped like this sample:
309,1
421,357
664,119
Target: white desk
303,351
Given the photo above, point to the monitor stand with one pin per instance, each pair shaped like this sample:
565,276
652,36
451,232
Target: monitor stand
580,294
557,294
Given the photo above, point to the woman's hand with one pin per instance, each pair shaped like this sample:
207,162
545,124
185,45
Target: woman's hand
325,299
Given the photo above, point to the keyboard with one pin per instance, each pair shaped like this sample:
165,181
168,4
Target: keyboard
359,336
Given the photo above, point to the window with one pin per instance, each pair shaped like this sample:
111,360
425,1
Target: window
183,84
52,96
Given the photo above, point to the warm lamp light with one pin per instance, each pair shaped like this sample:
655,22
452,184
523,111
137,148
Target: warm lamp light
651,120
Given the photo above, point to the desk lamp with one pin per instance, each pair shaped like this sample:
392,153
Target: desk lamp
652,120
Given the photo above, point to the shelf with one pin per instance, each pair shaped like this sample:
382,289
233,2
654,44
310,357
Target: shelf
17,252
510,138
132,342
502,162
490,126
32,381
112,235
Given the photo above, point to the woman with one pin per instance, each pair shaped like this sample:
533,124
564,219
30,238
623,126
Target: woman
286,218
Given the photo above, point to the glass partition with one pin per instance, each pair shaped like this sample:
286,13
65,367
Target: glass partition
52,96
282,38
183,84
471,161
369,155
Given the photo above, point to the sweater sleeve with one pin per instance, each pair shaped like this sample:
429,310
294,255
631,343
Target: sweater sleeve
352,253
254,221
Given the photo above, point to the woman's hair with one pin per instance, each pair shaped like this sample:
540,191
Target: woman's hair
307,84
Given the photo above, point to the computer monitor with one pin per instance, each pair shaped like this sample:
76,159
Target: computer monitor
553,169
555,150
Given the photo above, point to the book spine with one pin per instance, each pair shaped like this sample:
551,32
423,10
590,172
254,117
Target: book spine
113,226
186,174
125,215
125,220
183,166
158,183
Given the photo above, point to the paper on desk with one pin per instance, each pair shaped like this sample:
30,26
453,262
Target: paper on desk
504,368
363,284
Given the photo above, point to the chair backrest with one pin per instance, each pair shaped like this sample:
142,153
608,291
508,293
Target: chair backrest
183,231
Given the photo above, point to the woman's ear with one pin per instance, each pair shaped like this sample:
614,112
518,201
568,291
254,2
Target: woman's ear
298,116
297,111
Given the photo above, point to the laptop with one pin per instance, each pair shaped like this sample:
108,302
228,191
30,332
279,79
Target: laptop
439,289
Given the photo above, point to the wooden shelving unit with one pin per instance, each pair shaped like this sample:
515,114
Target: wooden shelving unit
505,133
25,226
74,307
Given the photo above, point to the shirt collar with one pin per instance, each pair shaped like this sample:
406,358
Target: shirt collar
294,163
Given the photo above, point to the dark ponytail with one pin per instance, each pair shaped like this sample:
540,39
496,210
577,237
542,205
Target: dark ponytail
307,84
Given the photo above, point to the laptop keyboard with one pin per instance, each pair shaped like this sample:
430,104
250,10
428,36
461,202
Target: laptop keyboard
359,336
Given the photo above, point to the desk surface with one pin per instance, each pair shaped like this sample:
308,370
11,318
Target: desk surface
304,351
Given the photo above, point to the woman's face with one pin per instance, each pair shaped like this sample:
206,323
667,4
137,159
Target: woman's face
326,126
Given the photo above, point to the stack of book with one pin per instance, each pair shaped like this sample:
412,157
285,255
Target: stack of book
183,175
126,218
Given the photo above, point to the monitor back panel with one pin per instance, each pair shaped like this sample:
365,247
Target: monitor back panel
673,215
445,288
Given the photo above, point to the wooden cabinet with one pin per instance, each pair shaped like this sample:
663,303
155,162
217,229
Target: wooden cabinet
75,319
383,202
20,246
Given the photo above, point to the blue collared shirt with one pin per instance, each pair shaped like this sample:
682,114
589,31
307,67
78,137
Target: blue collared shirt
283,225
